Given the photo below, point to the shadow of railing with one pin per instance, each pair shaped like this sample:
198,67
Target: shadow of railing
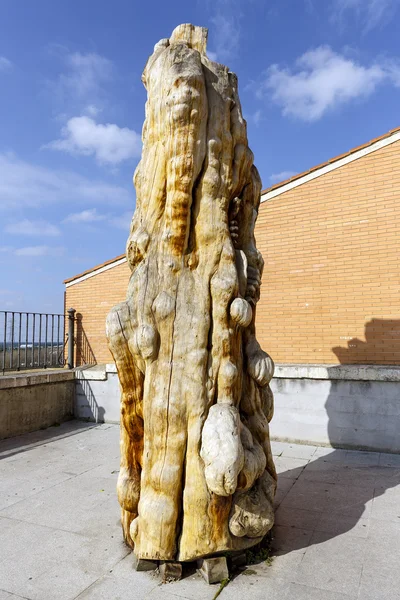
88,405
84,352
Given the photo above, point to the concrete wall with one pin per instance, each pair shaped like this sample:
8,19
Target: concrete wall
343,406
339,406
35,401
97,394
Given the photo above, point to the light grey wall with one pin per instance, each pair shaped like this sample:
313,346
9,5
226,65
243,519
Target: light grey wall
35,401
341,406
353,414
97,394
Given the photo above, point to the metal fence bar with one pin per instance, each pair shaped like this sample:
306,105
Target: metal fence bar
52,337
5,342
19,344
45,345
58,337
12,341
40,339
31,340
26,339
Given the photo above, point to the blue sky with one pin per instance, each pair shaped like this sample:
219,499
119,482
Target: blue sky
316,79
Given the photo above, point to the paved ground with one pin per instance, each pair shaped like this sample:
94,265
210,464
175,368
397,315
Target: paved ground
337,535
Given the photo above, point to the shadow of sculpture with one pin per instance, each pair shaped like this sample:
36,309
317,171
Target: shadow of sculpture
332,491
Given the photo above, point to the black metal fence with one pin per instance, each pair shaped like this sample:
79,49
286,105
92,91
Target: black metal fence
31,340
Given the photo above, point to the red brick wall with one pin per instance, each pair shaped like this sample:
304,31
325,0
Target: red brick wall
331,283
93,298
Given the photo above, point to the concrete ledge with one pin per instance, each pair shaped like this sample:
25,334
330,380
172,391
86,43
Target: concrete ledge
343,406
35,401
96,372
342,372
285,371
38,378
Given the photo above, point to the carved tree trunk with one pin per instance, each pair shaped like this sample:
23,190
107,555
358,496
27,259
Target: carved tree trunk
197,475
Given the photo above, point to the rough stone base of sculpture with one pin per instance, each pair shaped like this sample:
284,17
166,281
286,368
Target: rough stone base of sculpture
197,476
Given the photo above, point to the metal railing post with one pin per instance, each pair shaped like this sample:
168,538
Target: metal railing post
71,320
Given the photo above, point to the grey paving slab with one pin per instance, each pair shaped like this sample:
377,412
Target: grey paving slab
309,495
290,540
386,504
7,596
297,517
299,451
354,457
333,563
278,447
383,556
305,592
376,587
56,564
389,460
79,505
330,454
288,467
321,470
387,477
337,533
113,588
336,523
162,593
6,524
193,586
15,489
255,587
284,485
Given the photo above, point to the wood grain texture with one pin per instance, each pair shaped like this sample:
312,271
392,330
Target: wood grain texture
197,475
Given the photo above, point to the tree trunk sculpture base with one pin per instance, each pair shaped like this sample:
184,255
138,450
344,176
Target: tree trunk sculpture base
213,570
197,476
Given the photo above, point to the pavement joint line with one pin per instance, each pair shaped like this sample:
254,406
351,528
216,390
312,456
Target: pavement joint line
32,496
46,527
50,487
32,445
16,595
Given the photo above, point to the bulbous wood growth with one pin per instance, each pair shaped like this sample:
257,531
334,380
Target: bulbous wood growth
197,475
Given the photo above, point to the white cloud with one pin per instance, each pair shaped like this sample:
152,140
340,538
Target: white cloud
83,78
255,117
227,35
92,110
322,80
91,215
39,251
122,221
5,64
27,227
370,13
25,184
278,177
85,216
108,143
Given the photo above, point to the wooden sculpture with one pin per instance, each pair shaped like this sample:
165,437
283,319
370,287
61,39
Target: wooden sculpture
197,476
